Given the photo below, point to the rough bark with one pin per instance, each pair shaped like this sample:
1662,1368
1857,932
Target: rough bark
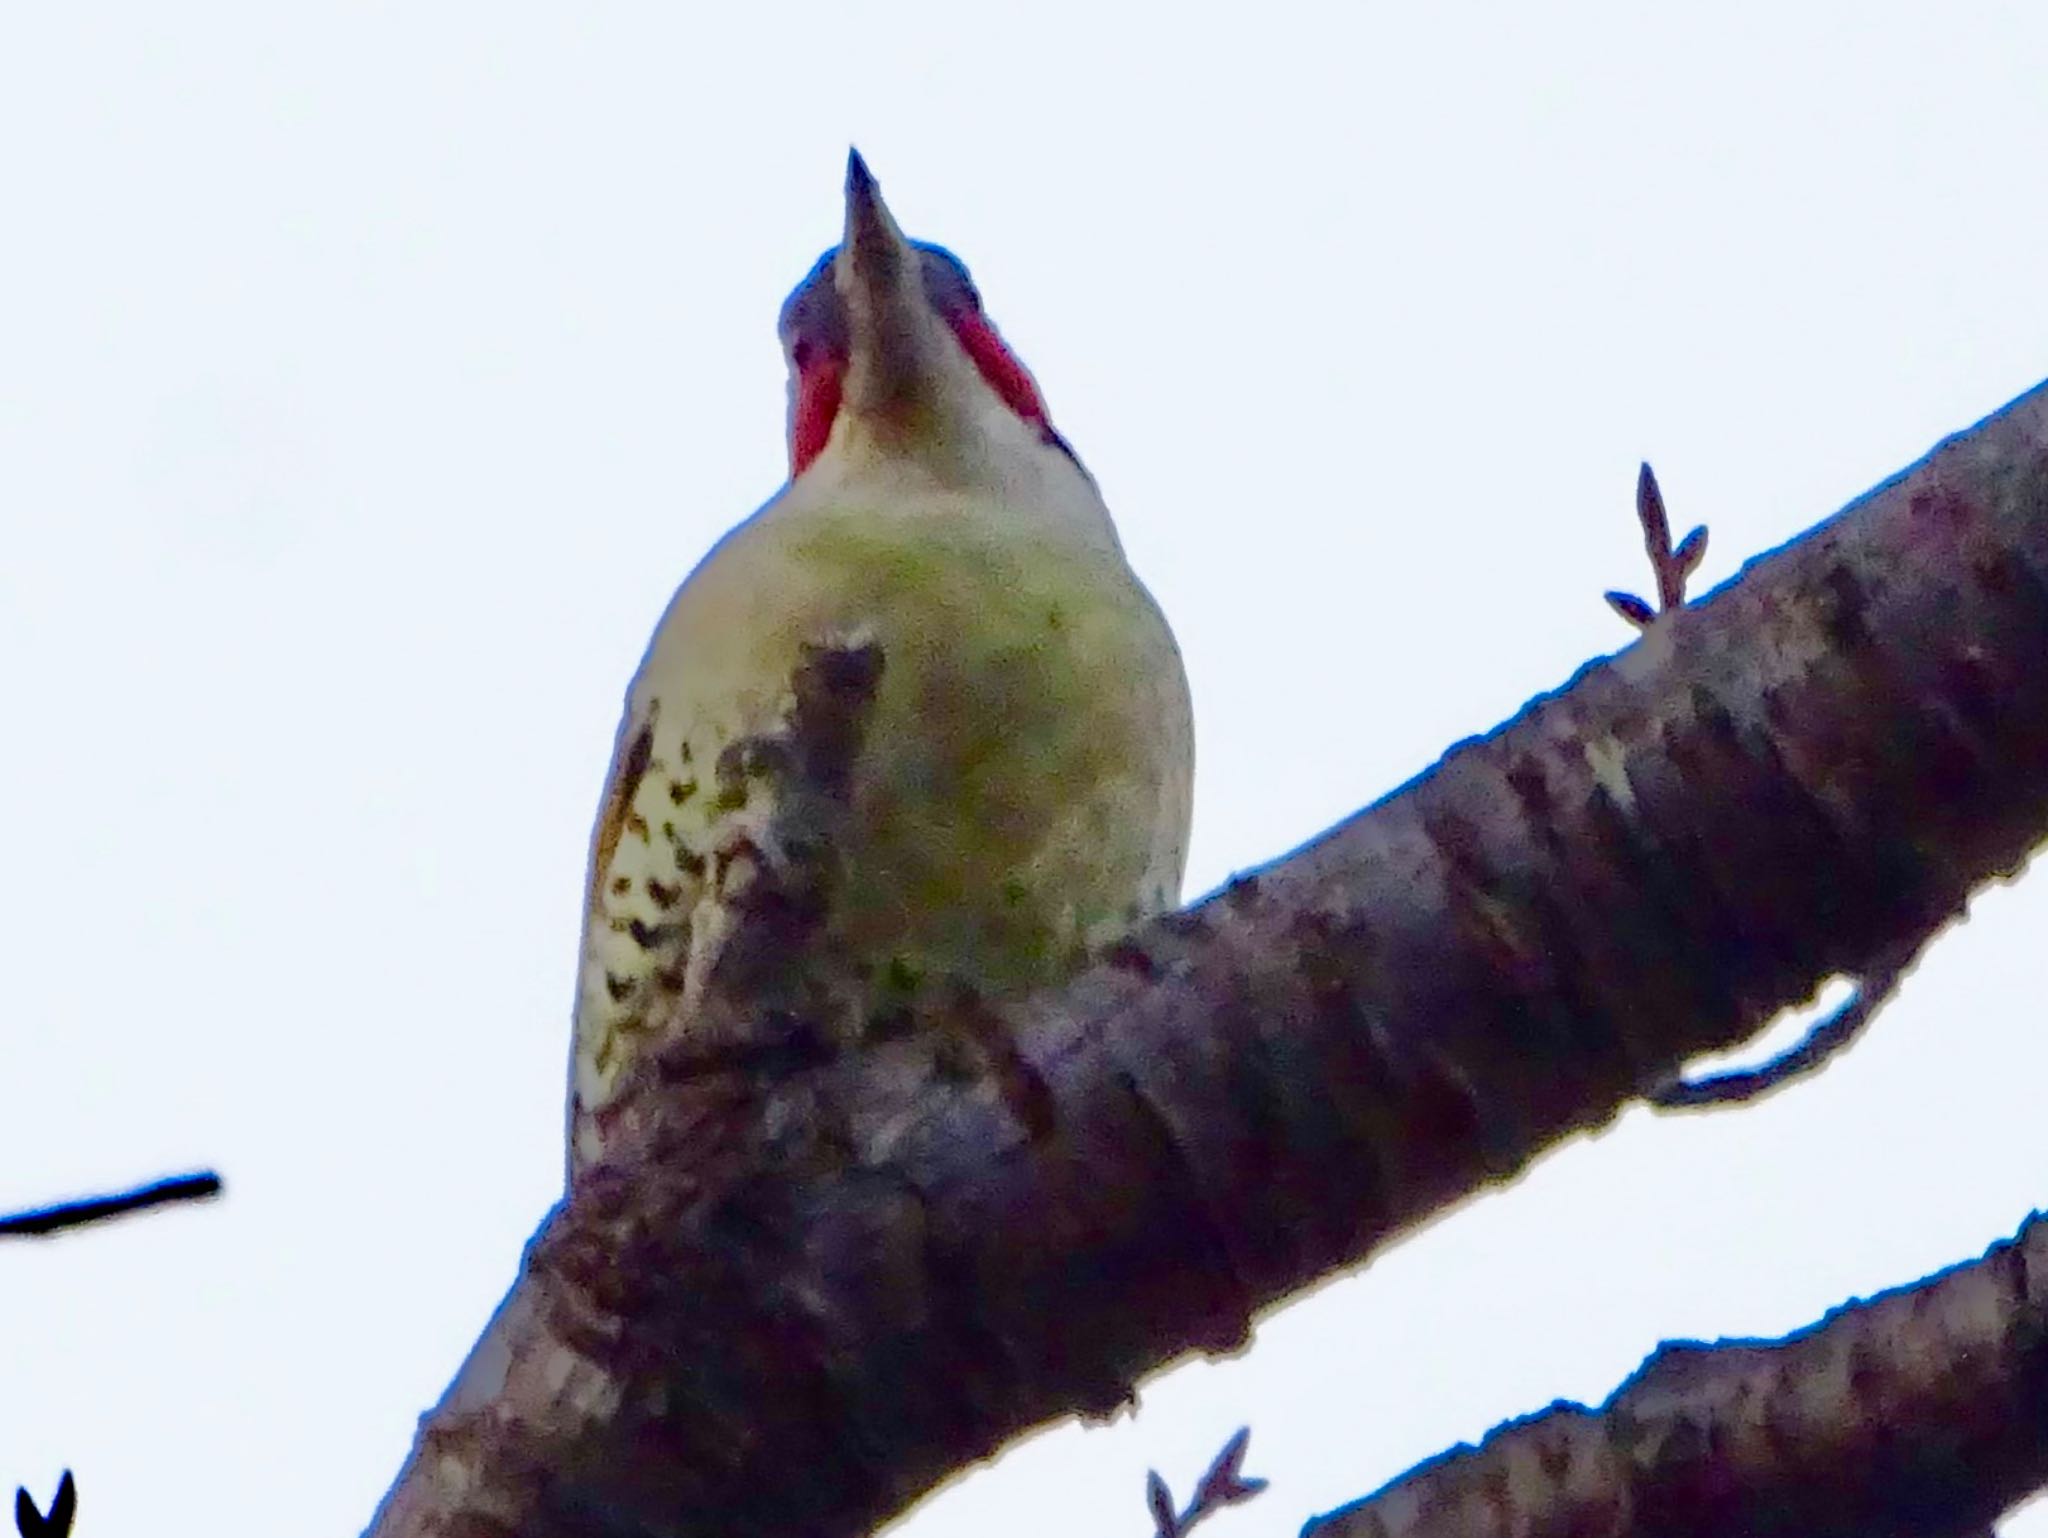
1923,1412
816,1277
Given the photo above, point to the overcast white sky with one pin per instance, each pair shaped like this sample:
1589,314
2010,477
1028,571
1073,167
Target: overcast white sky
369,375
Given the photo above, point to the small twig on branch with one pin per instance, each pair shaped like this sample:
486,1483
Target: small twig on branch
30,1522
44,1221
770,897
1918,1412
1671,566
1223,1485
1819,1047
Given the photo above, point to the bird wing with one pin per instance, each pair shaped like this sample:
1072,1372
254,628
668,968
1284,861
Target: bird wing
631,755
636,924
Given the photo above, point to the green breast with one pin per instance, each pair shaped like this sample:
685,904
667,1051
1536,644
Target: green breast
1022,791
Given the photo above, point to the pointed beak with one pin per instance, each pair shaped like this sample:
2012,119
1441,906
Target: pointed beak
880,280
873,255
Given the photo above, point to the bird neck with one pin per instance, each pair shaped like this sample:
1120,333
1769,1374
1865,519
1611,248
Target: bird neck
972,451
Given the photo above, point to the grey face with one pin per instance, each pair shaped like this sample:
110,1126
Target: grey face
813,318
814,332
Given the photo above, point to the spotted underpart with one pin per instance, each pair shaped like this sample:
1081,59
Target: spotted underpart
650,849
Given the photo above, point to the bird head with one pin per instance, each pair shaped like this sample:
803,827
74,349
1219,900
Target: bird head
890,333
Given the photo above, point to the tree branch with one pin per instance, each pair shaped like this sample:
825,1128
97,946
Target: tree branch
794,1300
44,1221
1922,1412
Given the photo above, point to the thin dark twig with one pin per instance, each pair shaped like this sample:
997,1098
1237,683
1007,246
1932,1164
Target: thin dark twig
43,1221
30,1522
1224,1484
1814,1051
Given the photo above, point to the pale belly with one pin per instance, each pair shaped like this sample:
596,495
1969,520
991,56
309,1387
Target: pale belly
1023,788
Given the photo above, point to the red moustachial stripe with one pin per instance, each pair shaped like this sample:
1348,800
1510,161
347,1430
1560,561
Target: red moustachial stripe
819,383
820,365
1005,375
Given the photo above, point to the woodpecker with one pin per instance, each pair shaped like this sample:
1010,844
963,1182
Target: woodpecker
1022,791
